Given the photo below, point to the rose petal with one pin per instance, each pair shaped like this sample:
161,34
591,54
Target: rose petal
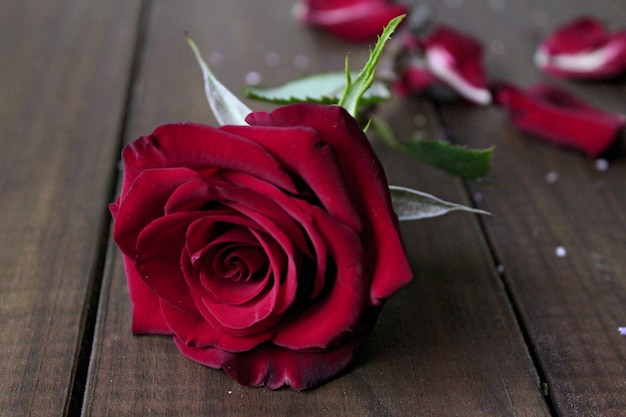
354,20
456,59
305,157
194,330
583,48
446,56
234,253
146,305
197,147
275,367
298,210
159,247
144,202
193,195
314,328
415,78
272,366
581,34
560,117
365,182
260,312
255,212
284,261
223,318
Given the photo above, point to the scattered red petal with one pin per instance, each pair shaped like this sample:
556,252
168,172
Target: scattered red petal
415,79
583,48
353,20
447,56
559,117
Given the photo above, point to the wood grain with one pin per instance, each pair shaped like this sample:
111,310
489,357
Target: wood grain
446,345
64,67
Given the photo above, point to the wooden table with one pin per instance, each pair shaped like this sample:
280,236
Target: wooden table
494,323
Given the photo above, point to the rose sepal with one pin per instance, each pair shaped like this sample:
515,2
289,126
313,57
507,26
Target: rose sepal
411,204
355,89
226,107
323,88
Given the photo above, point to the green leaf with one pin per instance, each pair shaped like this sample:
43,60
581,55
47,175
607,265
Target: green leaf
355,90
413,205
325,88
457,160
454,159
226,107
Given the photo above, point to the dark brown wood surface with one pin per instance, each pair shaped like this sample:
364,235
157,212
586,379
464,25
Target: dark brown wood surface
494,323
572,306
64,71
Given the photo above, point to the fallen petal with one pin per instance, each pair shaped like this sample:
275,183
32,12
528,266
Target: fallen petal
353,20
583,48
456,59
446,56
559,117
415,79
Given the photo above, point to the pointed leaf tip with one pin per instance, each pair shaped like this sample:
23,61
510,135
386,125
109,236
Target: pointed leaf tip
226,107
356,88
414,205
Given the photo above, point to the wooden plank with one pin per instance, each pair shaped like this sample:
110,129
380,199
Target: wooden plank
573,305
448,344
64,67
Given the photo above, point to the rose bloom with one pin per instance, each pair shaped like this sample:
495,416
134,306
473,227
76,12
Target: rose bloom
266,250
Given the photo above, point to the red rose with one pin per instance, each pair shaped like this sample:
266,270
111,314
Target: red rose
265,250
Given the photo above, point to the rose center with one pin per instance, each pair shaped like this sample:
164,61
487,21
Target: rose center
239,263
